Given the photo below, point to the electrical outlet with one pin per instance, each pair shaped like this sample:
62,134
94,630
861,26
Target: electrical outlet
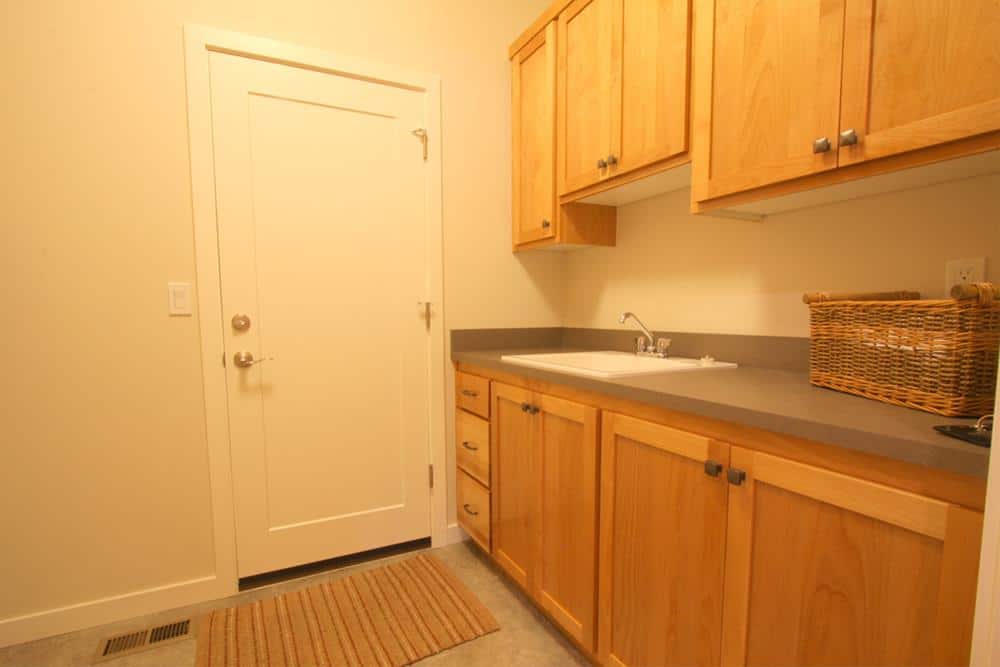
958,271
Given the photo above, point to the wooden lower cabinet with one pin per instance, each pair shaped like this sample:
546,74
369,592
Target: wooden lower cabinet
827,569
545,503
663,525
706,553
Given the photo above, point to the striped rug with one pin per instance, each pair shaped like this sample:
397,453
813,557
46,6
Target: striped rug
388,616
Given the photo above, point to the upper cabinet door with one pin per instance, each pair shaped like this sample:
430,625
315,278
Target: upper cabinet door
587,83
918,73
653,123
827,569
768,90
533,76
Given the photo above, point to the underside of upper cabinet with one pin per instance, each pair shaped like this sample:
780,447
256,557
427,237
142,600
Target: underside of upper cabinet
793,97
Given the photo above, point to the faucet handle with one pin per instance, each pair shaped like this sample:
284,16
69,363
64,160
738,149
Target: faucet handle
662,346
640,344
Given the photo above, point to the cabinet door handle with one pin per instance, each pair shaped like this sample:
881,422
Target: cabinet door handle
602,163
470,392
848,137
736,476
821,145
713,468
469,446
546,224
534,409
612,160
468,510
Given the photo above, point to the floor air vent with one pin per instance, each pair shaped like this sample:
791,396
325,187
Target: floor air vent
140,640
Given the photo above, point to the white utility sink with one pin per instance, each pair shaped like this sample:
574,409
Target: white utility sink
611,364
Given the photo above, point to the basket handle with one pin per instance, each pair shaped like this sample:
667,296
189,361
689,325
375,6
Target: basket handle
820,297
987,293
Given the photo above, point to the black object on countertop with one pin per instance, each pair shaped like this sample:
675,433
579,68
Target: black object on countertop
973,434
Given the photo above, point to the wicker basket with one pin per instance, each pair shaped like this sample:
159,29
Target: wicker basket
934,355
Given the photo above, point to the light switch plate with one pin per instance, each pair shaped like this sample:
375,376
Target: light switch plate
179,299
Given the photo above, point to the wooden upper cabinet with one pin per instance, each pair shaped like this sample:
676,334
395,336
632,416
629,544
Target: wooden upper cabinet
623,87
663,535
653,121
918,73
768,91
827,569
533,77
588,80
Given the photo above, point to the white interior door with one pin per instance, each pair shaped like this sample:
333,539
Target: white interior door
320,194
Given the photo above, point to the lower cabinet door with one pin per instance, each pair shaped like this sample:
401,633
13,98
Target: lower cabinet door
566,582
827,569
514,483
663,533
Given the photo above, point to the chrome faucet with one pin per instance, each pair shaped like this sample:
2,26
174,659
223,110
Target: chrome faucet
646,344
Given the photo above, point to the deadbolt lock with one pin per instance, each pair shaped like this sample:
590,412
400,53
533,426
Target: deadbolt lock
241,322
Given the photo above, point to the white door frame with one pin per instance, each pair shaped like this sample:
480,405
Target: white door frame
200,41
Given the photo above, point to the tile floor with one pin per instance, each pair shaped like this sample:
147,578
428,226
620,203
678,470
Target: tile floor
525,636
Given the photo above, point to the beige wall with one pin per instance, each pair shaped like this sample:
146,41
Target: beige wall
104,482
685,273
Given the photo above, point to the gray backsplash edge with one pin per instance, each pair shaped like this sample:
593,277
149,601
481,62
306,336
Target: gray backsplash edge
776,352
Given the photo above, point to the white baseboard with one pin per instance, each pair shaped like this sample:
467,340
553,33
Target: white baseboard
29,627
456,534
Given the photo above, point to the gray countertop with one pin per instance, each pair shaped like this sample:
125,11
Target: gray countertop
781,401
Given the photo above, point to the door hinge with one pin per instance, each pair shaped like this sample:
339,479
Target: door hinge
430,475
421,133
223,359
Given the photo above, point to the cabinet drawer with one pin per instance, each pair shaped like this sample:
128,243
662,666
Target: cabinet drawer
472,444
474,509
472,393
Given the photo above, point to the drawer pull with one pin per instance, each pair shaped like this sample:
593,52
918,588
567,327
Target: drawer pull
468,510
469,446
470,392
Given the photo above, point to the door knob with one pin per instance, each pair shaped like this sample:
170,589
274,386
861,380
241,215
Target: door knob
245,359
848,137
821,145
601,164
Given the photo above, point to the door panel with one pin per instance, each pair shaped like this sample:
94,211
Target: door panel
566,583
854,573
663,522
775,90
329,447
534,90
654,108
919,73
514,472
588,79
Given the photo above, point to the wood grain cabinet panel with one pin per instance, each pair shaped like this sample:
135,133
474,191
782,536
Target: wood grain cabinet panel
918,73
773,90
588,74
472,393
514,472
663,524
566,585
545,503
533,79
827,569
473,508
472,446
652,123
